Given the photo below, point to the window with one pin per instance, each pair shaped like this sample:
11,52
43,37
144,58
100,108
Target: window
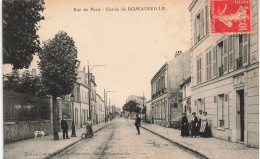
220,58
209,63
199,71
242,59
220,110
184,91
199,26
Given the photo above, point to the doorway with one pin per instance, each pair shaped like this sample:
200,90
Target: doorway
241,113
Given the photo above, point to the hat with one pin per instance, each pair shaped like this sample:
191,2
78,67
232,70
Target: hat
193,113
205,113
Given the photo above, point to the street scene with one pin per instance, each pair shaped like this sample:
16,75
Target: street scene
146,79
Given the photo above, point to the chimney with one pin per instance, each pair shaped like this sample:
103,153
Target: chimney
178,53
34,72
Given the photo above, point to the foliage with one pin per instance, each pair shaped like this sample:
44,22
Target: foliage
20,41
131,106
58,64
27,84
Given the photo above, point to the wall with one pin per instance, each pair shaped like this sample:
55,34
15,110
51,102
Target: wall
14,131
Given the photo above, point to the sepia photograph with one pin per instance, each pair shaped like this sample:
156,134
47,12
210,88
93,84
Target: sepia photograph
133,79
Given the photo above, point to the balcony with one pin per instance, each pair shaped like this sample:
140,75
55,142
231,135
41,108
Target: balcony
221,72
239,63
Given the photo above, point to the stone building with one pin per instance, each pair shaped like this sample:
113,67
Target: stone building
165,85
224,77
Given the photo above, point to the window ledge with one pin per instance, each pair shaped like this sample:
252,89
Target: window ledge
221,128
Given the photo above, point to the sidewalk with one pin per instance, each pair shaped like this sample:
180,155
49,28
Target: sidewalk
31,148
209,147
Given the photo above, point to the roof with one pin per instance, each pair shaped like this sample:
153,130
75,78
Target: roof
185,81
158,72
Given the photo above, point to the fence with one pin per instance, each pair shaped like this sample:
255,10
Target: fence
24,114
21,107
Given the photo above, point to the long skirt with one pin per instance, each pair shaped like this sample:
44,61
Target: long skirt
194,130
89,131
205,130
185,130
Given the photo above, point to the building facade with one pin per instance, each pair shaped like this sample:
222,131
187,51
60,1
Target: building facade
224,77
165,85
186,97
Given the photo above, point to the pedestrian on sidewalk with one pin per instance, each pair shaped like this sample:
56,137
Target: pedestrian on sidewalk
184,126
137,124
204,129
194,125
200,115
89,129
64,127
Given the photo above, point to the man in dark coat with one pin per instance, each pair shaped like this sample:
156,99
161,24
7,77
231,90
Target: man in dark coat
64,127
137,124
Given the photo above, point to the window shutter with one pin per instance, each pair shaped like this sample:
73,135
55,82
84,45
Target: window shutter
214,62
207,63
226,111
245,49
201,24
207,19
215,115
195,31
225,56
210,65
231,57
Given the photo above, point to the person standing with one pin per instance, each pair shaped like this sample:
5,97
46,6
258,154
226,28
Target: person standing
137,124
184,126
204,128
89,129
200,115
64,127
194,125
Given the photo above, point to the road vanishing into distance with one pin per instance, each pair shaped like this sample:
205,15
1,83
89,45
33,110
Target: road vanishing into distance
119,139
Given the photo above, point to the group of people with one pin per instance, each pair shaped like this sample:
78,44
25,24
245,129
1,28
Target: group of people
198,125
87,133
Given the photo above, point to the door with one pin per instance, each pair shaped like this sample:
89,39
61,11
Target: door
242,114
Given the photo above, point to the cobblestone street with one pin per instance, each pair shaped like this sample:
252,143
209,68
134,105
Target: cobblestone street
119,140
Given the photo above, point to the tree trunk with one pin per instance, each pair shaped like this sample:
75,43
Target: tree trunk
56,118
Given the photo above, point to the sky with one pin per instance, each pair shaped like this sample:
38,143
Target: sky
132,44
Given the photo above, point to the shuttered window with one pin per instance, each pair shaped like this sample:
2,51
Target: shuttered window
225,56
209,64
207,18
201,23
245,49
214,62
231,56
199,71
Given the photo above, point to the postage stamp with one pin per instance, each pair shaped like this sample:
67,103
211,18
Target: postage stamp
230,16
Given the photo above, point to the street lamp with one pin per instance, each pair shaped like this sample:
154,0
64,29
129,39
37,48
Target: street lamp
73,133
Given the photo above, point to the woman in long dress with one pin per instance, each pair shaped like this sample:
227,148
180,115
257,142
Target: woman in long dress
184,126
204,128
194,125
89,129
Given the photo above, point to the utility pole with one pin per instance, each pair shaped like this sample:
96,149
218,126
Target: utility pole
90,67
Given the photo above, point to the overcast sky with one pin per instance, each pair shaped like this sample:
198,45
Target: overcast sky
133,45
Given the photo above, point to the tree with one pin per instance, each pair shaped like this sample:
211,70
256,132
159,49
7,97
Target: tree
20,41
58,66
131,106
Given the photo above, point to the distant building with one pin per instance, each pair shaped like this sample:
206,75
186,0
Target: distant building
186,97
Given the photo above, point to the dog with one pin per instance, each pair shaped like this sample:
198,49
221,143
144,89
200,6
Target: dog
36,133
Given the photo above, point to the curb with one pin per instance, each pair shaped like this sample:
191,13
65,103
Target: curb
71,144
177,143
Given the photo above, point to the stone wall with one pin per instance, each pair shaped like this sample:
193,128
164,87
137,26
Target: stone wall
14,131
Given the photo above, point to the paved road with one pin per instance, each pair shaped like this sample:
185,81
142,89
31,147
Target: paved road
119,140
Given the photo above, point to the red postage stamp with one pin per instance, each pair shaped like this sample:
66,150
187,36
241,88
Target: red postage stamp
230,16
